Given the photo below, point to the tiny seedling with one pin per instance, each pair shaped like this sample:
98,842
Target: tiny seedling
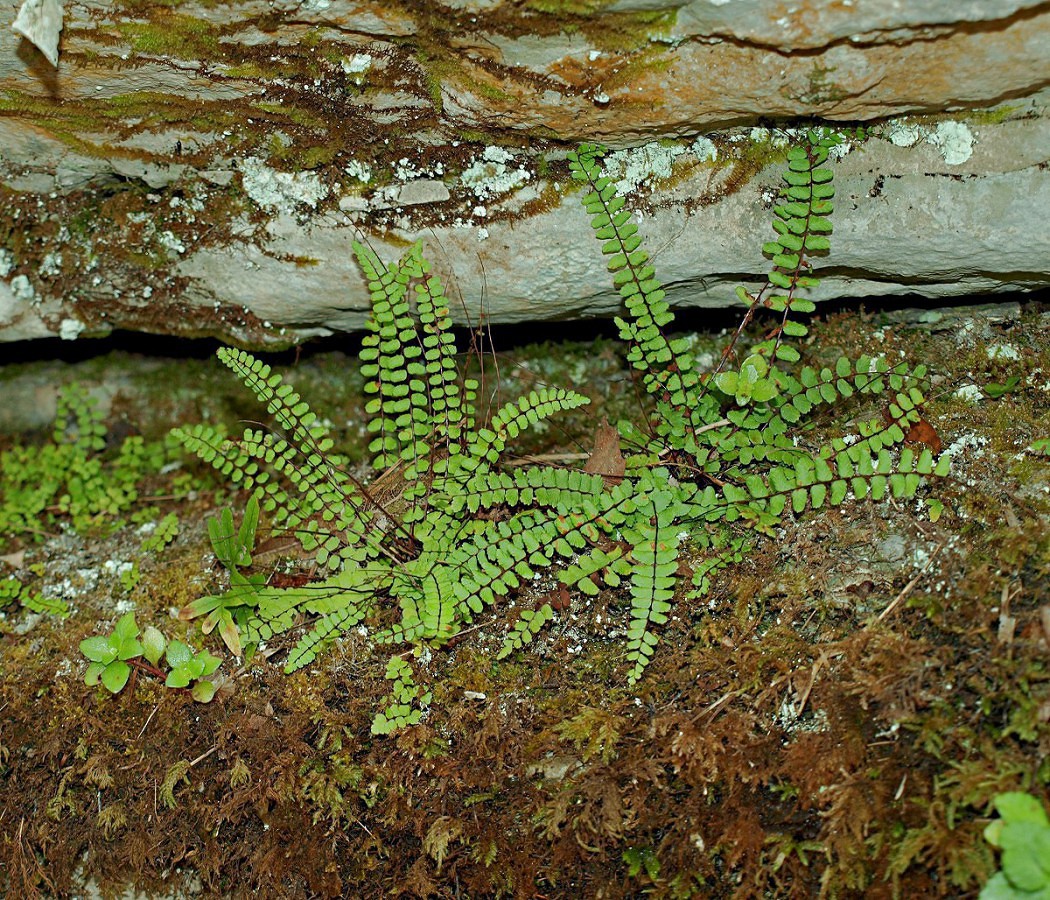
113,657
995,389
12,590
109,655
187,666
1023,835
234,550
166,530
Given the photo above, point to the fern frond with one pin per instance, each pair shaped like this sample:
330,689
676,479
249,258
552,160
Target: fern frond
450,413
802,226
389,356
830,478
525,629
405,704
348,592
722,553
654,562
544,486
350,612
514,417
580,573
282,402
665,365
424,589
496,561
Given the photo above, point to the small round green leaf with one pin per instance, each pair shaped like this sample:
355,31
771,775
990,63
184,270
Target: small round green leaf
153,643
178,654
115,676
93,672
203,691
99,649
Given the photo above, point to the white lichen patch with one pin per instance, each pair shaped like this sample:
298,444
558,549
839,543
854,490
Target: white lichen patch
359,171
779,138
22,289
704,149
975,442
7,263
70,329
357,67
50,265
117,569
902,133
494,173
169,241
651,163
1002,351
408,170
280,191
969,393
954,140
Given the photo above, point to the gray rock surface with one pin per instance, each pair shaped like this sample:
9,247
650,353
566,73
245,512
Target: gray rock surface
204,169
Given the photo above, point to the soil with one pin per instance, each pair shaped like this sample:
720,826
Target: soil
834,721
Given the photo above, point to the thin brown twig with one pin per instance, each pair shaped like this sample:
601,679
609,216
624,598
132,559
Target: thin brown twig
203,756
909,587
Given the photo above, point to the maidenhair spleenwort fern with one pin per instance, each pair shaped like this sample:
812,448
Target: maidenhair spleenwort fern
724,455
731,446
420,543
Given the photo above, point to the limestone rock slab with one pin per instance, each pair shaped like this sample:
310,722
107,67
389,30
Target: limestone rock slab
203,168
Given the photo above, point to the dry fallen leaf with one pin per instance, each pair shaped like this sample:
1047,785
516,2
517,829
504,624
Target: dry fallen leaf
922,432
14,560
605,458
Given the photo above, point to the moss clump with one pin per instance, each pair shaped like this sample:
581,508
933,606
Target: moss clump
178,36
784,741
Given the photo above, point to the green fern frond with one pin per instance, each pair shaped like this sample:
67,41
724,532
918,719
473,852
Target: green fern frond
545,486
497,561
450,414
350,609
819,480
654,563
405,704
802,226
525,629
514,417
581,573
723,552
665,367
282,402
390,356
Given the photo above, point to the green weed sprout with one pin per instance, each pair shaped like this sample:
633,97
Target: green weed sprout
233,548
113,656
109,655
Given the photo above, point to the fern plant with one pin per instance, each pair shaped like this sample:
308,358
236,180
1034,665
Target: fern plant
444,531
731,446
411,537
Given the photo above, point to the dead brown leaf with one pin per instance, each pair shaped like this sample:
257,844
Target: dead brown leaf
606,459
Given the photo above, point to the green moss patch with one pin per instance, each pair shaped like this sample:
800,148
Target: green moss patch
838,716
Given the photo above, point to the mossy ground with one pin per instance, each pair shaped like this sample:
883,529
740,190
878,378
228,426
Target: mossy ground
835,720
